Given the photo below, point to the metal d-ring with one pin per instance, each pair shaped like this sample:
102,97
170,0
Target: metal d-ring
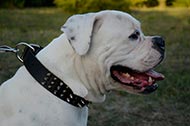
5,48
17,48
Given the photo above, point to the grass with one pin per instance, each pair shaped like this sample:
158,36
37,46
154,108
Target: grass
168,106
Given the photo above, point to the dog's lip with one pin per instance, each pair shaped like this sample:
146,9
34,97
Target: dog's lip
145,82
149,89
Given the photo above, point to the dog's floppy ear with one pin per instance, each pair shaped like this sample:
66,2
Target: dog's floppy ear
78,30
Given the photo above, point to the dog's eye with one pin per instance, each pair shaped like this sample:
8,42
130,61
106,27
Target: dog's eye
135,35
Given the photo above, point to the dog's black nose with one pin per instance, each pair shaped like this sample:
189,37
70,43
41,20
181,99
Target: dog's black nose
158,43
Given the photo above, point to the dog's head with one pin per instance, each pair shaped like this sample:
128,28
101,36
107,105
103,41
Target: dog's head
120,55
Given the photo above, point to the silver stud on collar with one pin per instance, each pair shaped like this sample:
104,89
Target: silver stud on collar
58,87
82,102
55,92
45,78
61,83
71,96
48,74
50,82
68,100
43,83
79,105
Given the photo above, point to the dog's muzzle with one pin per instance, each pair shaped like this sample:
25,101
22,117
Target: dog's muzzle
145,81
159,44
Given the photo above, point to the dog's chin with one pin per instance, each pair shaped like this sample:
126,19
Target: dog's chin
140,82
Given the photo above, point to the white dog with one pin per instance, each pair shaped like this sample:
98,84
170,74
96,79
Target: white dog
98,52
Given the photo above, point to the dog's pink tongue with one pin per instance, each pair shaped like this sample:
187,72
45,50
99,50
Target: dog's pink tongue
155,75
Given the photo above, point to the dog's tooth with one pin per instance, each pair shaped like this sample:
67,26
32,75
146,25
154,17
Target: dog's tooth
127,75
132,78
150,79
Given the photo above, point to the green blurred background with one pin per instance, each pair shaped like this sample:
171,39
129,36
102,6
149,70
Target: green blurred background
39,21
80,6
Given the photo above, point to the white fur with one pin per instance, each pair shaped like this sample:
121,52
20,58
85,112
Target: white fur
83,63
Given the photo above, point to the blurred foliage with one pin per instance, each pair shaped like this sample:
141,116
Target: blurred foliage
12,3
25,3
170,2
38,3
181,3
81,6
178,3
151,3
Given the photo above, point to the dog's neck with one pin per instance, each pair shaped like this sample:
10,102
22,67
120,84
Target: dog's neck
60,59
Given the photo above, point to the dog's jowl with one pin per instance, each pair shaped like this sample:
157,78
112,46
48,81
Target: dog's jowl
97,52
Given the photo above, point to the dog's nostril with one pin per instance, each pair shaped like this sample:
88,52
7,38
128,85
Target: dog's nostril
159,41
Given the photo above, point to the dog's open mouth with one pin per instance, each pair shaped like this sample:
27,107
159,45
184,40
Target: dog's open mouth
143,81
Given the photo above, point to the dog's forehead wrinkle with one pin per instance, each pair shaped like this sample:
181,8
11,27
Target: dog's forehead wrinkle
70,30
128,18
70,20
119,17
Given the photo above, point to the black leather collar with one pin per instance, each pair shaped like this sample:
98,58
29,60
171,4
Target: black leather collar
48,80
